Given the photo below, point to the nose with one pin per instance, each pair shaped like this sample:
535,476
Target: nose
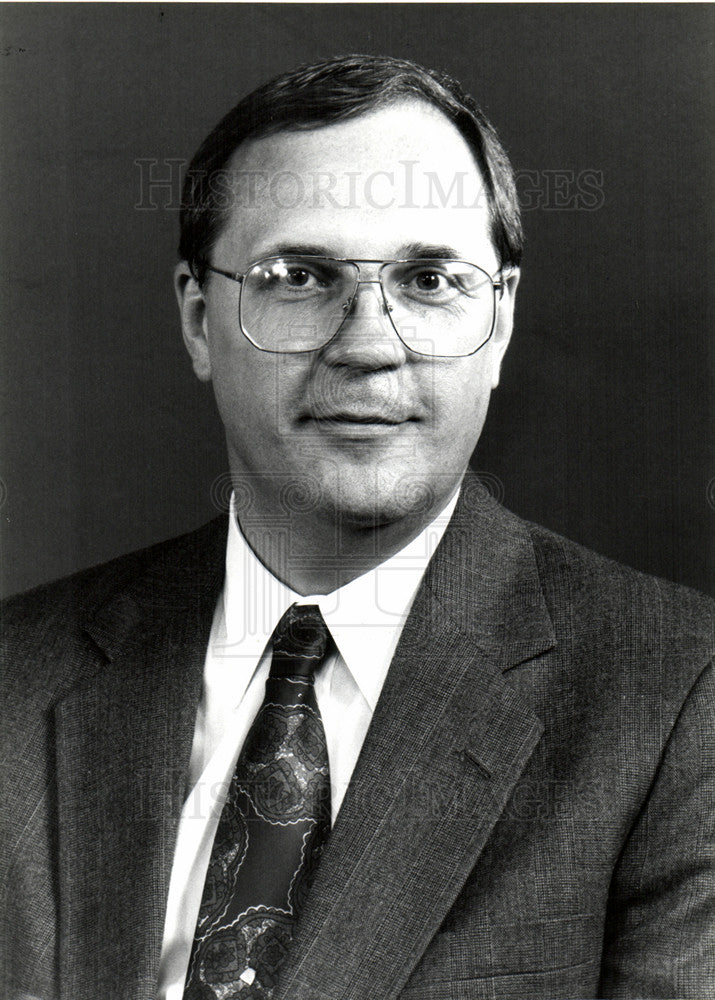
366,338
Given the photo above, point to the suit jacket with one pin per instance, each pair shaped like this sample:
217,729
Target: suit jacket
531,815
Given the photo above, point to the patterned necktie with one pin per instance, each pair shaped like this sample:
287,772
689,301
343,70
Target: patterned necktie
273,827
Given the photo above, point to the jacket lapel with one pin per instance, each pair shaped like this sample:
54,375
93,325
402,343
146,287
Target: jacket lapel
447,743
123,744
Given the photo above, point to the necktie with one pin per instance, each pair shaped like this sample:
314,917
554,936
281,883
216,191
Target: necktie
272,829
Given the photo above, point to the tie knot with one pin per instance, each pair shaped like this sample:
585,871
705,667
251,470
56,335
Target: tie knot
300,642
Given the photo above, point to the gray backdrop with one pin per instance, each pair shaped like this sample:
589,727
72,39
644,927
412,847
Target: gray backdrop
600,428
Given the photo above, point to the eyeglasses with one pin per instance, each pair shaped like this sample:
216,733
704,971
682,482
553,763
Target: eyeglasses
294,304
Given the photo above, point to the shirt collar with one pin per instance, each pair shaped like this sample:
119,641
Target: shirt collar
365,616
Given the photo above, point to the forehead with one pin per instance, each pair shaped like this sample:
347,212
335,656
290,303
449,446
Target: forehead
398,176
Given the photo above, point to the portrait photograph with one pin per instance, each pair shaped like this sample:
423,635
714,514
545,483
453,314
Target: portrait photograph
357,495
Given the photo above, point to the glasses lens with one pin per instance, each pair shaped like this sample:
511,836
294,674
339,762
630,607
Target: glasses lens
294,304
441,308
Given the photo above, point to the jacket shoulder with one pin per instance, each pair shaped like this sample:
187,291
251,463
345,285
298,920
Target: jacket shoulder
84,592
590,595
43,643
598,575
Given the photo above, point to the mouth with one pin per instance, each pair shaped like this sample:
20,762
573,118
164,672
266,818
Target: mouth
356,417
356,423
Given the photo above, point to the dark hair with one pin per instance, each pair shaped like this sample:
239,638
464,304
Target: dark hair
336,90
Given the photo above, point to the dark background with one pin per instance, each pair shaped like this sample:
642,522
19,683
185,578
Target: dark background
600,428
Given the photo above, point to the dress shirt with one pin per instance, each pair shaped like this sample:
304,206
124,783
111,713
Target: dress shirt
365,618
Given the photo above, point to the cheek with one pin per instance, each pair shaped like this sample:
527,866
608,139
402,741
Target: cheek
239,383
462,396
255,391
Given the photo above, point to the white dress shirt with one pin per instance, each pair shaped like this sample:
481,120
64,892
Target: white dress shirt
365,618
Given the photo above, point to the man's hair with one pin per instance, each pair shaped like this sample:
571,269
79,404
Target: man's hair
336,90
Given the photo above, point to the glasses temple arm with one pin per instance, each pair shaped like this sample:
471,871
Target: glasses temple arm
231,275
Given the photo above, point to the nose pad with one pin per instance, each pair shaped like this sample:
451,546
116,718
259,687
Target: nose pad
349,305
366,336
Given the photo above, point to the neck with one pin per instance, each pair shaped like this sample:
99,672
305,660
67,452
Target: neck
317,555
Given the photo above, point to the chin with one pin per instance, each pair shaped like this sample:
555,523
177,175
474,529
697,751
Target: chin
385,499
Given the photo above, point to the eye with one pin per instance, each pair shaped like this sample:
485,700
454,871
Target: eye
425,280
429,281
298,277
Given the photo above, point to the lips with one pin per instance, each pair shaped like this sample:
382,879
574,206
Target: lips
357,417
366,403
340,407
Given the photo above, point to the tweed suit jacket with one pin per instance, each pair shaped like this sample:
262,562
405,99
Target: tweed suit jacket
531,816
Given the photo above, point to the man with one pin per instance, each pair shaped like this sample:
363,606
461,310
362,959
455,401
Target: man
494,779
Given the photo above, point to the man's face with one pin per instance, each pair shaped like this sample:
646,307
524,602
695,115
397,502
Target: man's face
364,428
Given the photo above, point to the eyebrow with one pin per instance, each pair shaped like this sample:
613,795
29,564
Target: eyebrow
428,250
295,250
407,251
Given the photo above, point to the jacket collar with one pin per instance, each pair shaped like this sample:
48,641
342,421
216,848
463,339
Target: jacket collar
485,577
184,573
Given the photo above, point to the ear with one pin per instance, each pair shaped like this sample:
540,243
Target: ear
192,309
504,320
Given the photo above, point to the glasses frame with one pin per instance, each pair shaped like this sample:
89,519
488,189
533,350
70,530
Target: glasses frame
497,281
